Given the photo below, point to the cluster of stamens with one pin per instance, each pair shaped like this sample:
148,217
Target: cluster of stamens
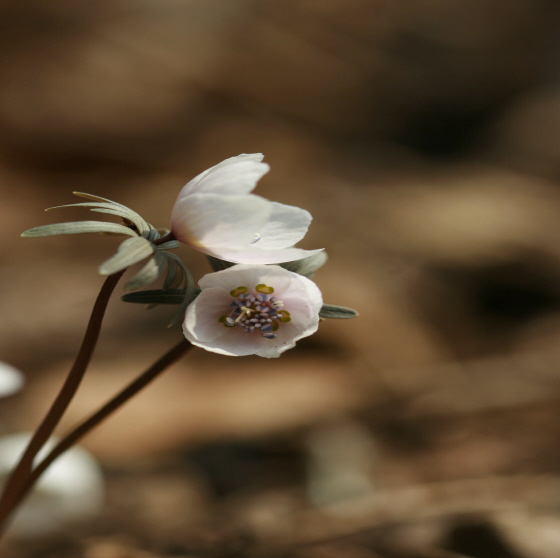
260,312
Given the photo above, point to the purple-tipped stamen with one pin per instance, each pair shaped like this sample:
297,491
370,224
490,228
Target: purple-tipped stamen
255,312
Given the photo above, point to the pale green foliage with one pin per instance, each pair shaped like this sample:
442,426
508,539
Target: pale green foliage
337,312
308,266
178,285
132,250
78,227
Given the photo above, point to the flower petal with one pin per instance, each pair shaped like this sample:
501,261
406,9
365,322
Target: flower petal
203,315
304,312
234,176
71,489
286,226
301,297
11,380
248,276
234,342
304,299
254,255
203,328
286,337
209,221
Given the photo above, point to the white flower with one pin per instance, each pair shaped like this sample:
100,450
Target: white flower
217,214
253,310
11,380
72,488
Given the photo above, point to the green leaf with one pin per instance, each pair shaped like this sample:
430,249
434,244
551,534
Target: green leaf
337,312
169,245
156,296
172,279
130,215
189,293
307,266
131,251
107,206
148,274
141,224
78,227
92,197
152,234
170,294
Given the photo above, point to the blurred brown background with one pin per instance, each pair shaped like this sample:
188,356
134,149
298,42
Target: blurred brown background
424,137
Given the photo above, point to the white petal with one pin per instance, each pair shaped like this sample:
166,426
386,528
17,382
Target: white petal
249,276
303,300
209,221
301,297
11,380
304,322
203,315
203,328
286,226
254,255
72,488
313,295
234,176
285,339
234,342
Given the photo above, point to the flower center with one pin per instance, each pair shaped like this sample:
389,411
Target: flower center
260,312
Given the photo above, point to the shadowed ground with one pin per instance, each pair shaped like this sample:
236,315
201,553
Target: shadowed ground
424,138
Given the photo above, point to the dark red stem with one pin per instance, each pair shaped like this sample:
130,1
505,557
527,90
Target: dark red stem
110,407
20,474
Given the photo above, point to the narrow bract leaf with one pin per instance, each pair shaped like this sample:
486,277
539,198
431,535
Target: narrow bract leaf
152,234
92,197
308,266
112,207
113,211
337,312
169,245
189,292
131,216
176,273
170,278
131,251
148,274
157,296
78,227
179,315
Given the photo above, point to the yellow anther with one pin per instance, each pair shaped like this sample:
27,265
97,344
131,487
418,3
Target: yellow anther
238,291
284,316
262,288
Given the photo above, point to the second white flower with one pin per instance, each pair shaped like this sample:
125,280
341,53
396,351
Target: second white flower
253,310
217,214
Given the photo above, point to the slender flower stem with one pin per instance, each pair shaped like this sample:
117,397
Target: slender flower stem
174,354
20,474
